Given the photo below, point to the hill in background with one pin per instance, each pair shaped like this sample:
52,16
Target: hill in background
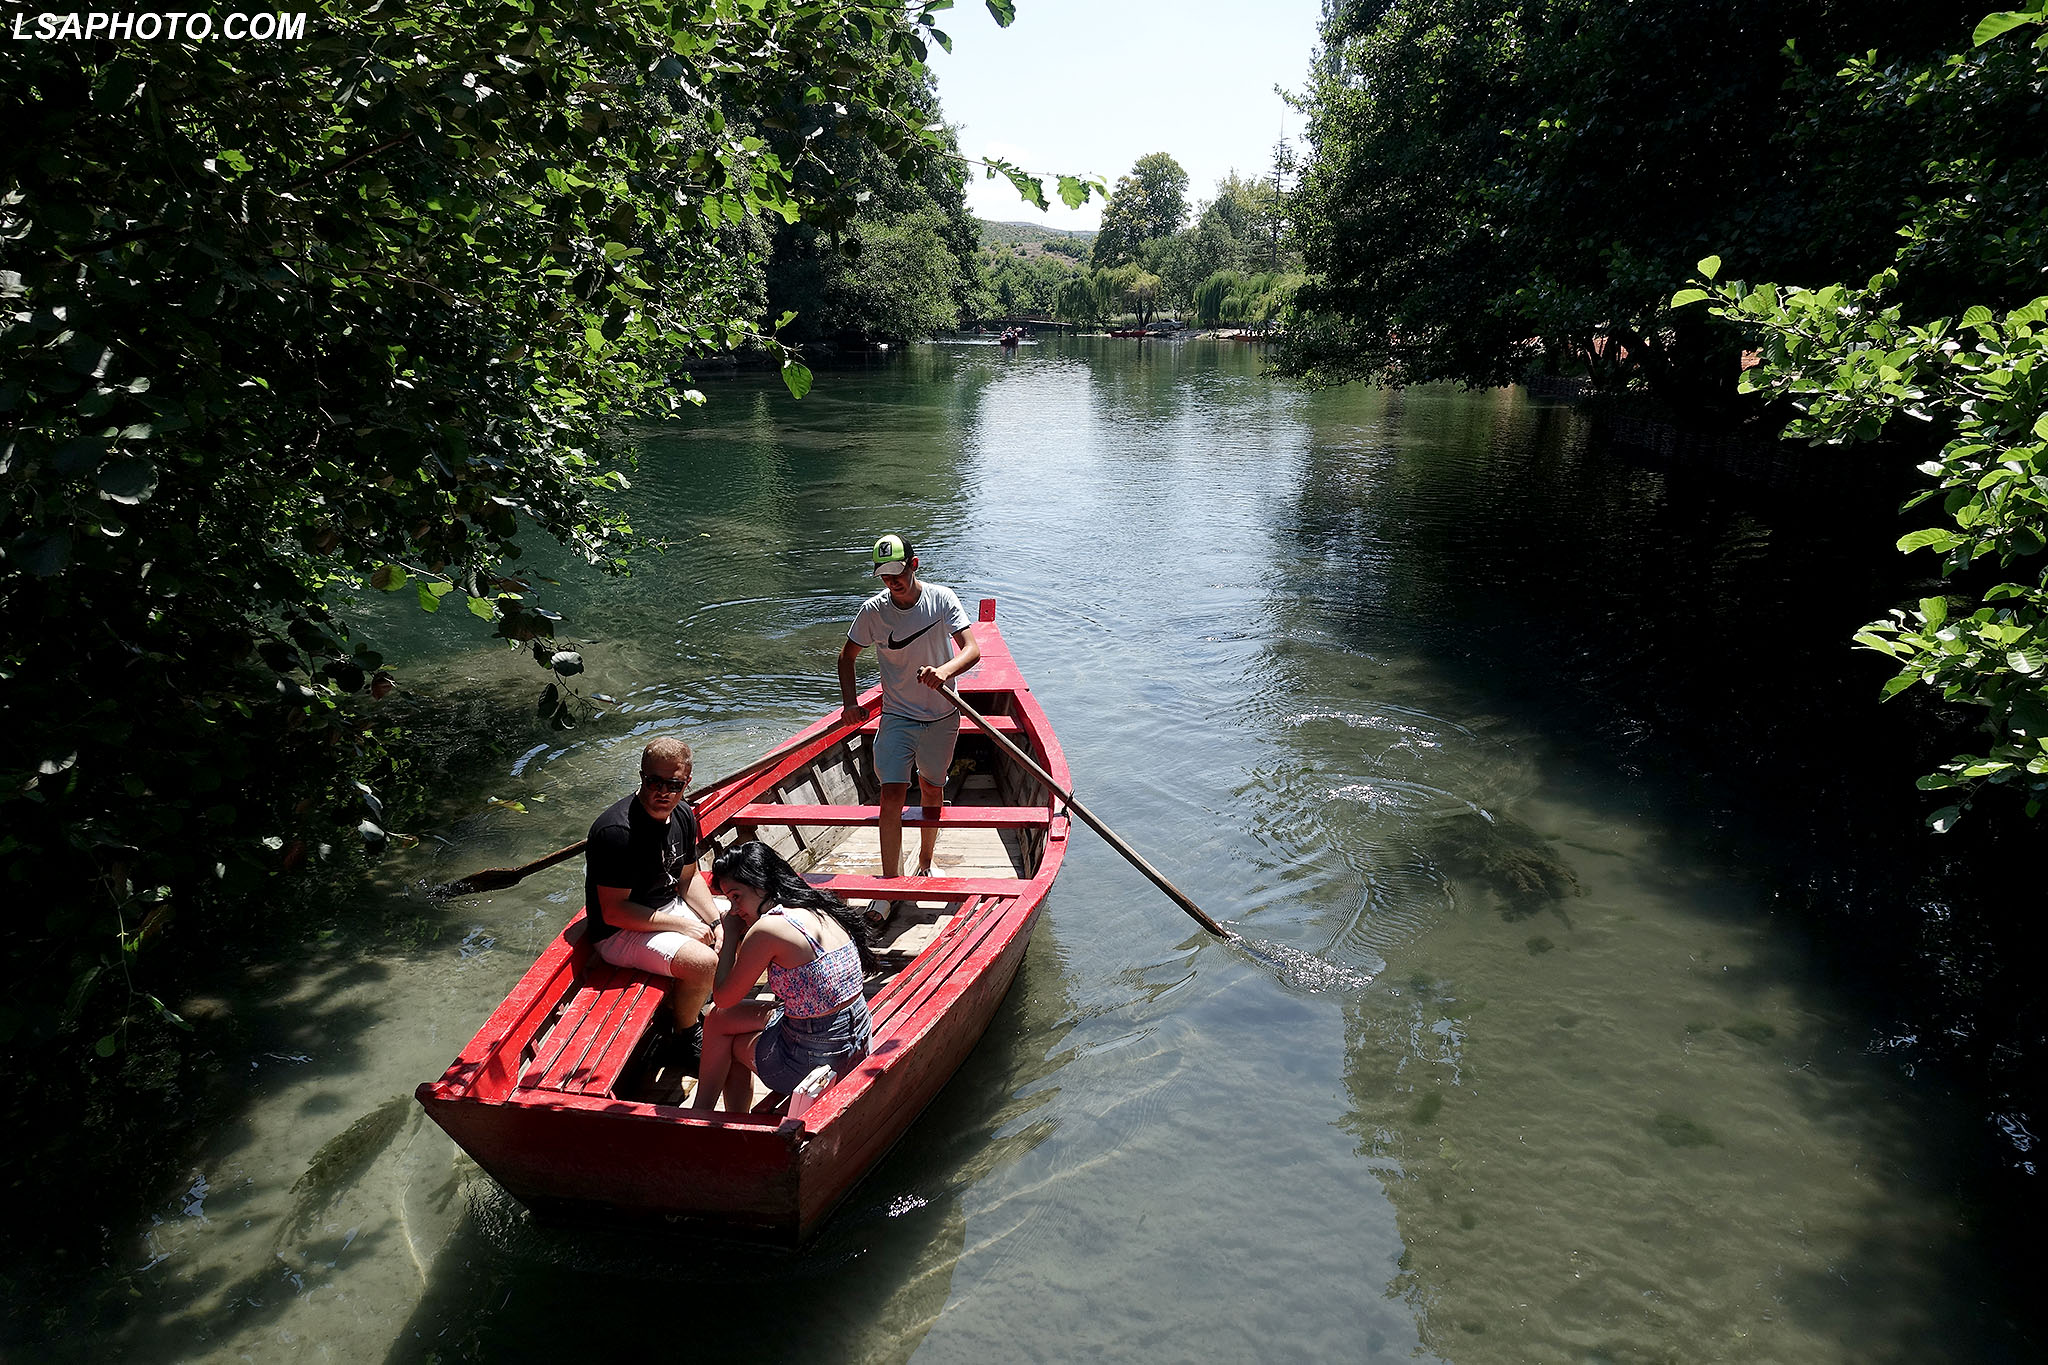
1035,240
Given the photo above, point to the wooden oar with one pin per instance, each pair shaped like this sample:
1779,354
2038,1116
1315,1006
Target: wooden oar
1115,841
498,878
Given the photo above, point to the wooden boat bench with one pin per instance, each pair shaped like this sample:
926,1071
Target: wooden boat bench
597,1031
914,817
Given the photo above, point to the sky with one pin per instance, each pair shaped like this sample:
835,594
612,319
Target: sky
1089,86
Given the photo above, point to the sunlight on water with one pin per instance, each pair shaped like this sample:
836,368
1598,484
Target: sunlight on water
1305,971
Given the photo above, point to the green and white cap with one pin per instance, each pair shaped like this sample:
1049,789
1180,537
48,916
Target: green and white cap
892,554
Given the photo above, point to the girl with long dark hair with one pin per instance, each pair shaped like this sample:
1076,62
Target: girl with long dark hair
816,951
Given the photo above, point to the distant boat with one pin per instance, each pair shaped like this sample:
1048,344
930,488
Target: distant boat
570,1098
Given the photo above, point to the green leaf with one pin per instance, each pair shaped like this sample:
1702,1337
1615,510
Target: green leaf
1004,12
429,601
1073,191
1935,609
1976,317
796,377
128,481
481,608
1710,266
106,1045
1944,820
1991,25
1030,187
1933,536
1685,296
2027,661
389,578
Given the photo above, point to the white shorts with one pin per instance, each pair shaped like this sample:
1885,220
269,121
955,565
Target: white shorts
900,740
651,953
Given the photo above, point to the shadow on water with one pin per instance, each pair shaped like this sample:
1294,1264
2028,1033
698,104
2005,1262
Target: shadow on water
1667,646
866,1288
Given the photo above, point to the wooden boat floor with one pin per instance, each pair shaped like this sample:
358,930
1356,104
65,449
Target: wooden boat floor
910,930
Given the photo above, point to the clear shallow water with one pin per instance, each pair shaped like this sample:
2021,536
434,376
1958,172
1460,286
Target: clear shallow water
1522,1067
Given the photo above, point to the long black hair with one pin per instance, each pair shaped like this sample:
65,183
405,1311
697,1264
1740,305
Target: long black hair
754,864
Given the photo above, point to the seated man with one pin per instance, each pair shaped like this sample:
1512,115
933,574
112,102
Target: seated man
646,907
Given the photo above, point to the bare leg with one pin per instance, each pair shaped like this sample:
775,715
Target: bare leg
722,1030
693,966
928,837
739,1082
891,831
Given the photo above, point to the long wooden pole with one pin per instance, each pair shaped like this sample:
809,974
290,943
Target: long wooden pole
1115,840
498,878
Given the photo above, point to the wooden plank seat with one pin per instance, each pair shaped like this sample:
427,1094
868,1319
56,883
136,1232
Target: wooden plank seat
914,817
594,1037
1004,725
853,886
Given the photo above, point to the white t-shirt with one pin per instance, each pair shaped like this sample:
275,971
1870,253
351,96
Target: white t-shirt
906,639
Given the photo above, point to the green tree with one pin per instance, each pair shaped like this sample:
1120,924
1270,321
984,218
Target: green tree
1026,286
1149,203
1079,300
1491,189
287,322
1852,366
903,265
1129,288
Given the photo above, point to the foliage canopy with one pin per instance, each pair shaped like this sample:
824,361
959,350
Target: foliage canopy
283,321
1493,188
1852,365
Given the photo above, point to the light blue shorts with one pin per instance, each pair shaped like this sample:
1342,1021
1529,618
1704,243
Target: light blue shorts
900,741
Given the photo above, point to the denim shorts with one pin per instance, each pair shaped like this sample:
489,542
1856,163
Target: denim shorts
900,739
790,1049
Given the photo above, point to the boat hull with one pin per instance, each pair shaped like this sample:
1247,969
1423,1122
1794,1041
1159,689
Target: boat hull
579,1159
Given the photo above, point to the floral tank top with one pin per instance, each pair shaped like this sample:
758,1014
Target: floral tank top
826,984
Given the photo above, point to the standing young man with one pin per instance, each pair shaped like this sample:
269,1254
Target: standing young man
915,629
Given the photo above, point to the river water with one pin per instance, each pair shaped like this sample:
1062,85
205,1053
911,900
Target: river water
1415,689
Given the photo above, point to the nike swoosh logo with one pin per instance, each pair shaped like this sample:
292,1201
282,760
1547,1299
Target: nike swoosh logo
905,642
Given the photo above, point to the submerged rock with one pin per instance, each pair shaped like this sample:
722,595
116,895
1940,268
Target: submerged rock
1519,865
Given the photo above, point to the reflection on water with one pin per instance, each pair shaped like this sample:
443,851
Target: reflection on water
1513,1064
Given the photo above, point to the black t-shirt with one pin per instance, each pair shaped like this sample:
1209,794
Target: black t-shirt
630,848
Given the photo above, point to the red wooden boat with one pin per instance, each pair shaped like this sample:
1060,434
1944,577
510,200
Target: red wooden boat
569,1096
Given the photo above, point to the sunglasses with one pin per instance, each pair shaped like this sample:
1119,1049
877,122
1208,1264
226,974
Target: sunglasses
665,784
